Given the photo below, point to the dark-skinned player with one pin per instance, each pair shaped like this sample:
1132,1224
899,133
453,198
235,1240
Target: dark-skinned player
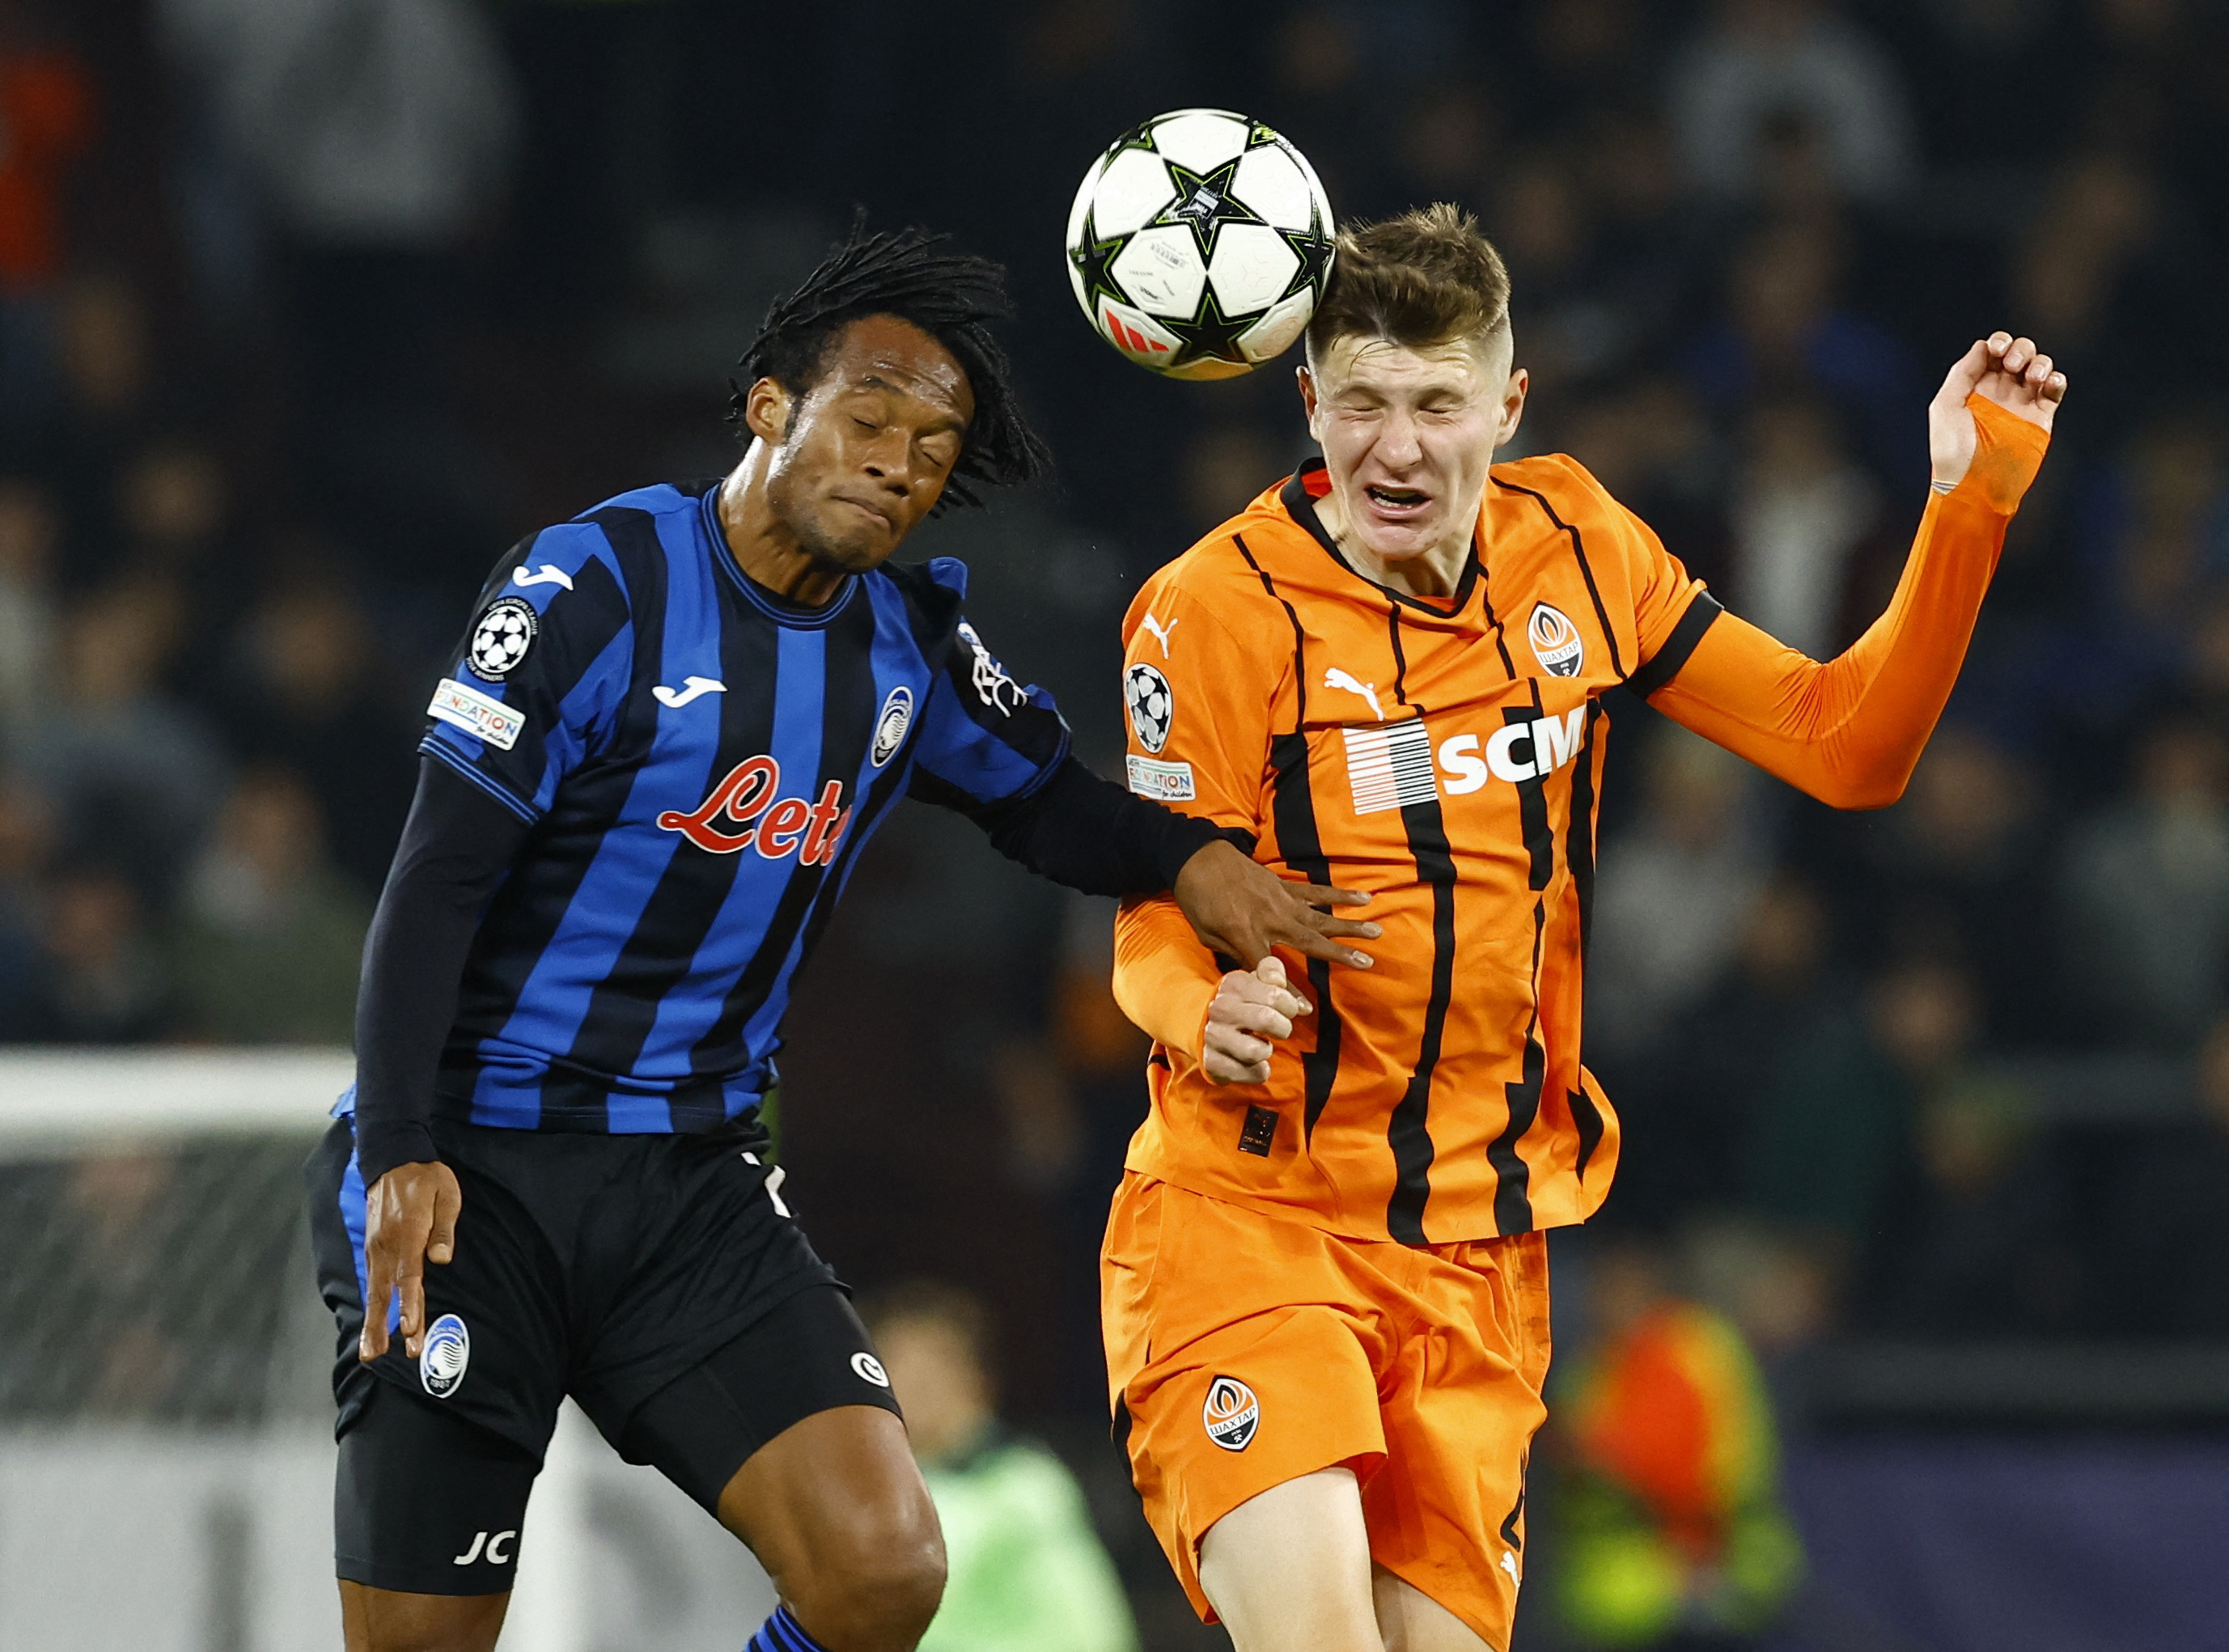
672,724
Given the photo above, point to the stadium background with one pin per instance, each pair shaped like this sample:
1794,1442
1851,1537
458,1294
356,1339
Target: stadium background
309,307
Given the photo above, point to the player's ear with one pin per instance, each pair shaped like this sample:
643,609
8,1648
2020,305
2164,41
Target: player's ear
1308,384
1512,406
767,411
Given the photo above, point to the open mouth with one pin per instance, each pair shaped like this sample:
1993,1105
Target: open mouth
1398,501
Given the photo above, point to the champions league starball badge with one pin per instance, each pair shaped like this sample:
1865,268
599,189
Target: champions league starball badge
500,640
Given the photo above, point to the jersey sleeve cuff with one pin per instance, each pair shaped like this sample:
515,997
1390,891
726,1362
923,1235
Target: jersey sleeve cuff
1664,665
1184,836
382,1144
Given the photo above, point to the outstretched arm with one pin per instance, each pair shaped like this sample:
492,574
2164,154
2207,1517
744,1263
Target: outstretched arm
1850,731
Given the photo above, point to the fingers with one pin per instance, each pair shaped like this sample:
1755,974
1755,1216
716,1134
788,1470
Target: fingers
1969,369
1312,944
448,1202
371,1342
1326,894
413,1284
1230,1057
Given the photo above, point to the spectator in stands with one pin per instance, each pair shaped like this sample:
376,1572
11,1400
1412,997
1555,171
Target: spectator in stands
1671,897
1669,1532
109,377
1828,1139
1766,76
1966,857
26,840
1803,510
131,771
46,122
30,537
1025,1571
268,937
305,689
2171,1214
102,974
1786,333
2145,895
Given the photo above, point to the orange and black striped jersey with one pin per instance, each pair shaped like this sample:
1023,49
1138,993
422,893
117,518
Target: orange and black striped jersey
1446,758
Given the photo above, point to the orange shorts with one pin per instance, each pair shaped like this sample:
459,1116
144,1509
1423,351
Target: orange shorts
1249,1351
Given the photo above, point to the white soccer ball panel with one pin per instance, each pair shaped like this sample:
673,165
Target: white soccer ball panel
1136,334
1270,181
1161,271
1201,139
1273,334
1077,213
1133,186
1252,267
1076,285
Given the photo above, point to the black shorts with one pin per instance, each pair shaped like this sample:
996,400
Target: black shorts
657,1279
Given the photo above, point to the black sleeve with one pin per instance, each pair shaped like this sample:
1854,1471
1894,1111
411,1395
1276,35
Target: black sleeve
456,847
1089,833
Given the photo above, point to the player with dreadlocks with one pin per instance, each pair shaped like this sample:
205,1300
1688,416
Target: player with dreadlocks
667,733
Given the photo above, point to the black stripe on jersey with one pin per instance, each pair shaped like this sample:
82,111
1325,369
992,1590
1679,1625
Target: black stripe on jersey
1300,637
1586,569
1512,1207
686,902
1400,658
1532,800
1579,830
1407,1133
1293,806
847,721
530,906
1664,665
1587,1120
1500,638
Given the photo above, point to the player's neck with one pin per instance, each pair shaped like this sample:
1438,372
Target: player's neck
1436,572
769,553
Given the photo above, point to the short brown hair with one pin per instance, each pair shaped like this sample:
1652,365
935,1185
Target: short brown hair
1427,278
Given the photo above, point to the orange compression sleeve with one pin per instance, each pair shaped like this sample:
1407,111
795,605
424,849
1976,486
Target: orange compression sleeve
1850,731
1163,979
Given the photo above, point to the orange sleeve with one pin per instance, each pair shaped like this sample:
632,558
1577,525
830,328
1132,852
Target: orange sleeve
1850,731
1203,749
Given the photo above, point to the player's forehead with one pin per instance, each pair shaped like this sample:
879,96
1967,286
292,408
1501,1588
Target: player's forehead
890,356
1383,366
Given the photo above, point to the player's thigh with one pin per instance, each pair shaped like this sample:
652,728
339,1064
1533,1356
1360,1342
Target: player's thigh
1289,1570
1409,1620
790,1435
428,1508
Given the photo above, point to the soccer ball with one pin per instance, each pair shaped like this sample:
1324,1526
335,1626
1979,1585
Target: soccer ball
1200,244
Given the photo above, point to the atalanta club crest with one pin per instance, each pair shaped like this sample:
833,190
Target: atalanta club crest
448,1350
890,727
1556,642
1231,1415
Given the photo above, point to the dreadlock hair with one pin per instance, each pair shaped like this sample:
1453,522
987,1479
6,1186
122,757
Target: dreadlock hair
950,296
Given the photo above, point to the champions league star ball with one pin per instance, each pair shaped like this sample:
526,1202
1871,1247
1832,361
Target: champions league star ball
1200,244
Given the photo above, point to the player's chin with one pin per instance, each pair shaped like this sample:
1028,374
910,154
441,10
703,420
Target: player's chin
854,540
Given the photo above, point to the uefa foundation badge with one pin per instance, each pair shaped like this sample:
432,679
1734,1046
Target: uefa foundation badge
448,1350
1232,1415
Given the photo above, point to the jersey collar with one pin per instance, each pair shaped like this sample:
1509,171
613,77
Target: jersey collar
781,613
1309,482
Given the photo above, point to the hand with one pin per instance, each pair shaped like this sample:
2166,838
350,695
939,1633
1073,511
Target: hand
410,1220
1249,1002
2010,372
1241,909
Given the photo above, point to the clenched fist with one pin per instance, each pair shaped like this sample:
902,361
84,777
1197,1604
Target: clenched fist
1251,1008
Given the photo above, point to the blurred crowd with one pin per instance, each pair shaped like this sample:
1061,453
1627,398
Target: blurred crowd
309,307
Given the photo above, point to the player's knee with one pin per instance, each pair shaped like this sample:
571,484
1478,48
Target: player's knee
875,1587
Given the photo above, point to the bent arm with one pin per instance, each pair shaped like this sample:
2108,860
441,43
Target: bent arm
1163,978
1850,731
456,847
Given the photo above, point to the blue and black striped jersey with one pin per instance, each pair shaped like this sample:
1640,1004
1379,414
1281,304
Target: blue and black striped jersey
699,765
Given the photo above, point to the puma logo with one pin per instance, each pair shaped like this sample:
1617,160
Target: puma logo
1161,632
1337,678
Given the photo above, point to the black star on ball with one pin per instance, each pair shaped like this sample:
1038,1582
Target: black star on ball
1314,247
1094,258
1208,334
1204,202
